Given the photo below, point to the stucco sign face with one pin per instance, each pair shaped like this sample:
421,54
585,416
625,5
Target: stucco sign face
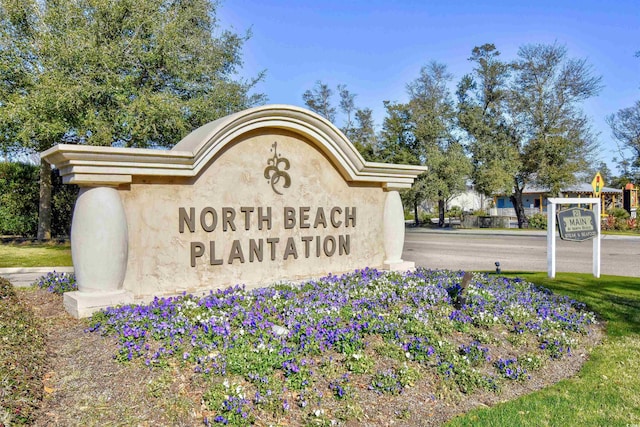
291,223
269,194
274,174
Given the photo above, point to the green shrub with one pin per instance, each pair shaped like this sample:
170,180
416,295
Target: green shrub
618,213
619,219
479,212
21,371
19,200
455,211
538,221
425,217
19,192
622,224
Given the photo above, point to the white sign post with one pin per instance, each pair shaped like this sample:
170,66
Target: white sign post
551,231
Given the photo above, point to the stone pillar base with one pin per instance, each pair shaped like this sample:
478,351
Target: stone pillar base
399,266
84,304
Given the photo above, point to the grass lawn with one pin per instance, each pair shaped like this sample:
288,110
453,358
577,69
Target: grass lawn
35,255
607,389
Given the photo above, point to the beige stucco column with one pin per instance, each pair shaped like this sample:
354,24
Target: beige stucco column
393,230
99,247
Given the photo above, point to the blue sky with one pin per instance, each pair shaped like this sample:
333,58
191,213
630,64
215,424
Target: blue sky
376,47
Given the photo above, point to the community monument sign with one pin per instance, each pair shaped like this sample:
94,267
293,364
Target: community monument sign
268,194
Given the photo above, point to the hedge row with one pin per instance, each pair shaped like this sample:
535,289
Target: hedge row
19,200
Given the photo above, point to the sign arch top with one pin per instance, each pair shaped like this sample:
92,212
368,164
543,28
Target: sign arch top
90,165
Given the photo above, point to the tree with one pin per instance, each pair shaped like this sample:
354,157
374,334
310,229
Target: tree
588,174
524,119
433,114
347,106
363,134
397,138
483,114
113,72
318,100
625,127
358,125
398,144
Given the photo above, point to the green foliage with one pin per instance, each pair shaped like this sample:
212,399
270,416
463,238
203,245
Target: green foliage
318,100
618,220
625,126
455,211
114,72
618,213
229,402
139,74
606,390
22,359
358,363
431,112
482,98
363,134
358,125
425,217
551,139
19,195
393,381
57,283
398,141
538,221
18,199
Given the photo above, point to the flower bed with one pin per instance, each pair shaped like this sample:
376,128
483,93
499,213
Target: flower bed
312,351
57,283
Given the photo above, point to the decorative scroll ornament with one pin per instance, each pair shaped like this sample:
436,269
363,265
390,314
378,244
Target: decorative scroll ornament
273,173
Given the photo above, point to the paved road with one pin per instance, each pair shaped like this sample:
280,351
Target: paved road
517,251
477,250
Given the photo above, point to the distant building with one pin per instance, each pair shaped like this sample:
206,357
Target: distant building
471,200
534,199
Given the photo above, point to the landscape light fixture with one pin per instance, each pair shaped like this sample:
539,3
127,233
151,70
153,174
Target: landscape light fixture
498,271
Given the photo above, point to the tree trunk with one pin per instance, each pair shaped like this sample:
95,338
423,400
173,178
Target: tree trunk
441,223
415,213
44,213
516,200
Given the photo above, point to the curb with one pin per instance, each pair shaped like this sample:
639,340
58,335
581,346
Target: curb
501,232
25,276
477,231
26,270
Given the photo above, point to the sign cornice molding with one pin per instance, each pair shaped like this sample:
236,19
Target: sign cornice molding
94,165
